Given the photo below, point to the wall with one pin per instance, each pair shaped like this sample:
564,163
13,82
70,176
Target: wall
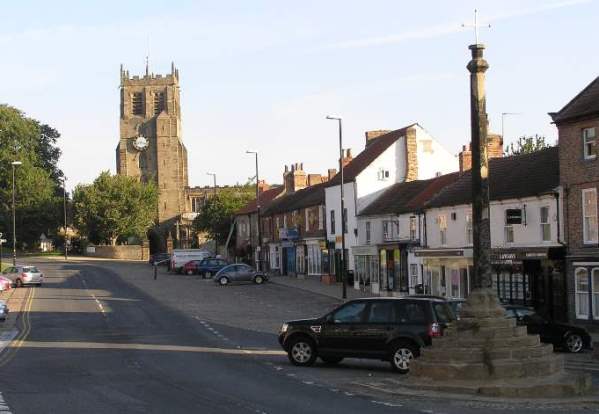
529,235
432,157
333,202
124,252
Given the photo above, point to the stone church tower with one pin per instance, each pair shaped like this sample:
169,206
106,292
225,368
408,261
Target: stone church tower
150,145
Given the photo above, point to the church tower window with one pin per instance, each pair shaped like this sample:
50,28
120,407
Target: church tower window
137,103
159,102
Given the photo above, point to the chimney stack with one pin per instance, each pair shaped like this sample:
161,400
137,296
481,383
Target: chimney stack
331,173
372,135
347,157
295,179
494,150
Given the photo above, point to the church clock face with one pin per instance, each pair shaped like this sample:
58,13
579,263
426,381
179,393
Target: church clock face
140,143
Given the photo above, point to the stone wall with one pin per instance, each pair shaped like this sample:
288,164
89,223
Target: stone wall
124,252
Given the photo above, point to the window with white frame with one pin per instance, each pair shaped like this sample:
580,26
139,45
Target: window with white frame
582,293
545,225
383,174
589,139
595,289
469,229
508,230
589,215
332,221
442,221
391,229
413,228
413,275
367,232
321,218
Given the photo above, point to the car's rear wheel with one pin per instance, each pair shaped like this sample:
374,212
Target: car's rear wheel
402,354
302,352
574,343
258,280
331,359
223,281
19,283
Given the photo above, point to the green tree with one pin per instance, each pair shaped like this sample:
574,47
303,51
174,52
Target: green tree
216,216
37,181
526,145
113,207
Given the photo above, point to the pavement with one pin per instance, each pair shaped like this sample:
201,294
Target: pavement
104,336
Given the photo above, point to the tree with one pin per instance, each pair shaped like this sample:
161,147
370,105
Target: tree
216,216
113,207
526,145
38,193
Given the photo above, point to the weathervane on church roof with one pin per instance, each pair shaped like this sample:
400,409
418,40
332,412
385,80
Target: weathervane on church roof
476,26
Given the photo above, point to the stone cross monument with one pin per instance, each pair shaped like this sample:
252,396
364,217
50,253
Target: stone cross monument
484,352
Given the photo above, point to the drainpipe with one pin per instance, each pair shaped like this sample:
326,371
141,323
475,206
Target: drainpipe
556,195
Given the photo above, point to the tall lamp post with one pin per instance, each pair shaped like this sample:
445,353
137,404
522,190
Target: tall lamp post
259,245
64,205
213,174
14,222
343,264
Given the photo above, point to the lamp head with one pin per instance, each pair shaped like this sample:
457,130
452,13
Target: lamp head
336,118
251,152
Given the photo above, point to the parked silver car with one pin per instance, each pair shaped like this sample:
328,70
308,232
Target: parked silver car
24,275
239,272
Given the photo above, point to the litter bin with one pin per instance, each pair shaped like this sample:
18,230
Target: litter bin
350,277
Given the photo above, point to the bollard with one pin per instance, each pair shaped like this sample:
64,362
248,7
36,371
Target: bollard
155,271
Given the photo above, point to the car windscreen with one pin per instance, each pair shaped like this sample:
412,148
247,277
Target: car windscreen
443,312
30,269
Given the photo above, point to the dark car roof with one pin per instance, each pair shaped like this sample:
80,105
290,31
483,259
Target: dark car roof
413,297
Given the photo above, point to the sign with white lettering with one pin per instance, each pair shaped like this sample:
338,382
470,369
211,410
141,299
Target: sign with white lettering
513,216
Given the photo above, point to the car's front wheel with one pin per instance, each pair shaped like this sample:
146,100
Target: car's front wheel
402,354
302,352
19,283
258,280
574,343
223,281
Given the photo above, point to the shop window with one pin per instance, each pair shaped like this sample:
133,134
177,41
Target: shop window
545,225
589,213
582,293
413,275
595,286
367,232
589,141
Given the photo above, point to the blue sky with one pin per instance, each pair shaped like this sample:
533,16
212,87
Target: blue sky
264,74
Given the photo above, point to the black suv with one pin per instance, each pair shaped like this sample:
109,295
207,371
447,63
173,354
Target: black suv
389,329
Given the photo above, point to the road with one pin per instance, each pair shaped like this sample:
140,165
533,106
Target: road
106,338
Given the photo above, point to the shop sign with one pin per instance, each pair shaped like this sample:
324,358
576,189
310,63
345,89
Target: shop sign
517,255
291,233
439,253
513,216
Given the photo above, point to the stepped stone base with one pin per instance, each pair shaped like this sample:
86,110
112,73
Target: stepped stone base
485,353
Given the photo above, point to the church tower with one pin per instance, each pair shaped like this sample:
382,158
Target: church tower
150,145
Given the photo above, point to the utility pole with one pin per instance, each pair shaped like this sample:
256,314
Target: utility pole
259,245
342,259
14,222
66,233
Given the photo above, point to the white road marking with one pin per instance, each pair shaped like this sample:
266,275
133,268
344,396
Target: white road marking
6,338
100,306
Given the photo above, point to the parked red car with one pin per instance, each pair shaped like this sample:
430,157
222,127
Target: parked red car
5,283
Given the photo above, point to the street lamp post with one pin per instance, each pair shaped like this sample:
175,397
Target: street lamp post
213,174
343,264
64,204
14,222
259,245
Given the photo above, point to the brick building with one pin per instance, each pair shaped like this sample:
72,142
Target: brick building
578,127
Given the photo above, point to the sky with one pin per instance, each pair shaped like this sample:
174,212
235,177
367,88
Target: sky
263,75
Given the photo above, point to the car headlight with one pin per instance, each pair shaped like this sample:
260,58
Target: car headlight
284,327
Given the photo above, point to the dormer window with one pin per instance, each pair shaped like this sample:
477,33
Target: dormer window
589,139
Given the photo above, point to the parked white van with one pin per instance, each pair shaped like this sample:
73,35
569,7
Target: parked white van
182,256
